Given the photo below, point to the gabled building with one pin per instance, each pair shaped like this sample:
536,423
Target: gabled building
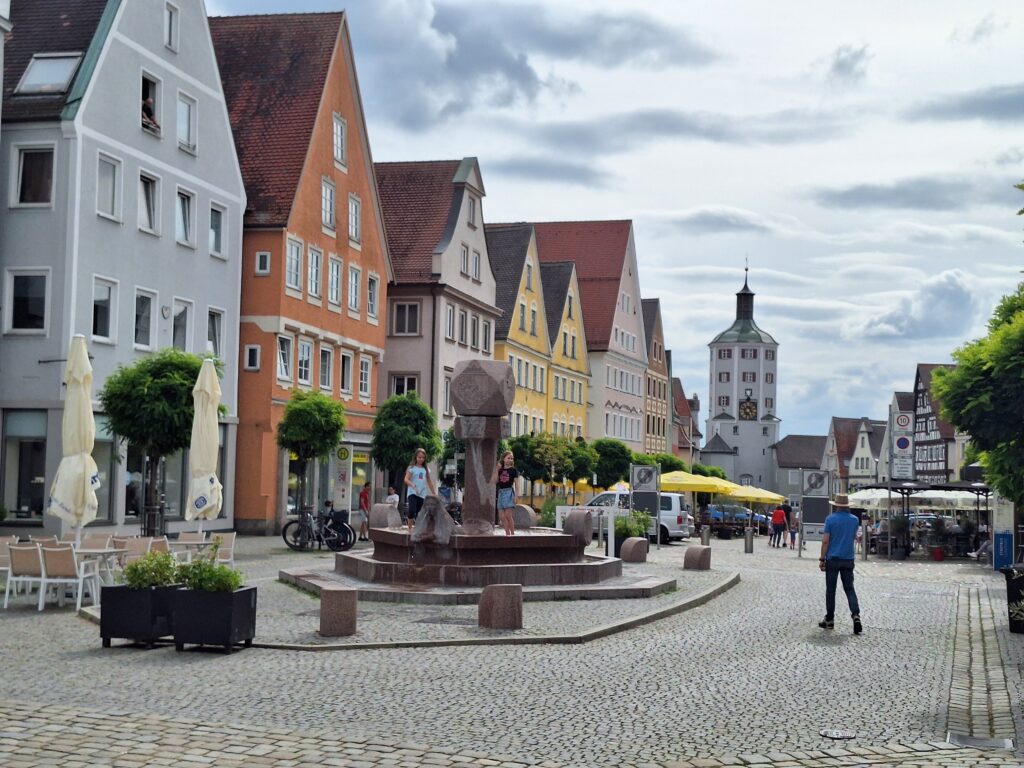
685,433
791,456
657,416
569,378
742,409
718,453
839,447
867,454
938,449
441,303
606,268
122,221
901,403
521,331
316,269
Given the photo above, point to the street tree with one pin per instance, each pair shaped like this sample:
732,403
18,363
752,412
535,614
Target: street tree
403,424
525,448
450,447
149,405
582,461
311,427
670,462
613,458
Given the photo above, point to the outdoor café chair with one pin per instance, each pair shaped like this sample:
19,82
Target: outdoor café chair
160,544
5,555
61,569
226,548
26,568
134,549
43,541
191,537
96,541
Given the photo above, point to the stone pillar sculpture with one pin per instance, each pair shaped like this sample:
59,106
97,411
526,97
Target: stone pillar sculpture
482,393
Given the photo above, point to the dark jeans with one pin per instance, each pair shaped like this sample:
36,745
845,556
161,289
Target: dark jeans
777,530
834,570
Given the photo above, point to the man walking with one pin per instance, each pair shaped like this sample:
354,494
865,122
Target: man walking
837,558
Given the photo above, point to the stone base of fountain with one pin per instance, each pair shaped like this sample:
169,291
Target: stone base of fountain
533,557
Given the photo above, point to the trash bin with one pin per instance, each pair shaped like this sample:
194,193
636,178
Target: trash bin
705,535
1015,597
748,540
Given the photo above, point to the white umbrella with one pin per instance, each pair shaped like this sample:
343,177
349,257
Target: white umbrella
73,493
204,492
871,497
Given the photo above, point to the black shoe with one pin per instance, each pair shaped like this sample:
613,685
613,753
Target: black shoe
857,626
827,624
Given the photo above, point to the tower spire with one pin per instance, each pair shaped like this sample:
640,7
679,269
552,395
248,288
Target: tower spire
745,298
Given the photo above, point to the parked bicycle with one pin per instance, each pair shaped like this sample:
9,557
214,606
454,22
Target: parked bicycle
319,529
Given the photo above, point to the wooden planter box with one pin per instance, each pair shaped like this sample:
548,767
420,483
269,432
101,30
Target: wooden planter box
225,619
141,615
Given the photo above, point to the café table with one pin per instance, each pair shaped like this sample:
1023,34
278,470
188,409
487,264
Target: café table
104,556
189,547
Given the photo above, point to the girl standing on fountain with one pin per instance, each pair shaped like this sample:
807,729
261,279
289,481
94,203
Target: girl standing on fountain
504,479
418,484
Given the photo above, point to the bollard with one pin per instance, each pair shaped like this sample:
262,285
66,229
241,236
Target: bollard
748,540
705,536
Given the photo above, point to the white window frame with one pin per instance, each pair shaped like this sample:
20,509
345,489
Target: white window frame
463,327
394,318
340,125
222,313
191,148
355,223
372,296
314,272
471,213
223,211
284,368
293,267
474,331
364,391
464,259
16,168
723,401
346,386
328,207
529,276
569,303
485,330
59,88
190,320
328,353
154,309
449,322
172,26
113,284
304,344
475,264
724,377
447,395
262,270
118,203
355,281
157,202
335,272
248,350
184,193
405,378
158,101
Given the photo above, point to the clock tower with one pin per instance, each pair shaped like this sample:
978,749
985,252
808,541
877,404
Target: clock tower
742,396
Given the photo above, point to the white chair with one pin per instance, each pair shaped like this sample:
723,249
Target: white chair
5,556
225,548
96,541
26,569
61,569
135,548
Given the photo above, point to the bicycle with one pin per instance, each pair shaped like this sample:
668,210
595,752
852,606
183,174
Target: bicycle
320,529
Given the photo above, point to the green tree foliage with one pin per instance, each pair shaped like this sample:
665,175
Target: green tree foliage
451,445
645,459
708,471
149,404
527,460
553,454
613,459
311,428
403,424
984,395
670,463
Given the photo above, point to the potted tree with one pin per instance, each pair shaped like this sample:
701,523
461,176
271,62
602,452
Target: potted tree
213,608
140,609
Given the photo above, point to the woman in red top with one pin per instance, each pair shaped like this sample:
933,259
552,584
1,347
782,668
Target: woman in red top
779,525
364,507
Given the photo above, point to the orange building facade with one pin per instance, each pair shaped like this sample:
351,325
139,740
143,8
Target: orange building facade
315,263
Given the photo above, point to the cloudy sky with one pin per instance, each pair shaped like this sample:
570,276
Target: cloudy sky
862,155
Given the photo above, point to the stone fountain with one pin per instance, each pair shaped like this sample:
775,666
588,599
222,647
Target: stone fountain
476,554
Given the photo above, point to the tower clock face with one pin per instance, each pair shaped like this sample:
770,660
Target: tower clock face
748,410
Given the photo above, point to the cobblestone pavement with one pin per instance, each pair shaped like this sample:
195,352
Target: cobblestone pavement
748,675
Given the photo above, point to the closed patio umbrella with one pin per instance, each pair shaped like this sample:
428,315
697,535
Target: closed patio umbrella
204,491
73,493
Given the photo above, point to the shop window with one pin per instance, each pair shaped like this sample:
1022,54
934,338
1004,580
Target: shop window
23,476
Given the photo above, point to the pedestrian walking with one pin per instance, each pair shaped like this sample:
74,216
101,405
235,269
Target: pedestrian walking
504,478
418,484
837,560
364,509
779,521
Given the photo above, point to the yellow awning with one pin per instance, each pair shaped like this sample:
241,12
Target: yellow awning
750,493
680,481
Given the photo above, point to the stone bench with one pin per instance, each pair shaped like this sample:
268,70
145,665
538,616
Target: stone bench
634,550
501,607
697,558
337,610
385,516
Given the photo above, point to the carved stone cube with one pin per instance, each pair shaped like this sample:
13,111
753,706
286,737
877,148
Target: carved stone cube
483,388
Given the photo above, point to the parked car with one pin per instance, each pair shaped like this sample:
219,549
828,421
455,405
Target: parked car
675,521
727,519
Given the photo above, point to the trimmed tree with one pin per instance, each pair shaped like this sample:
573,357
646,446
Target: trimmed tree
613,459
149,405
311,428
403,424
670,463
525,448
581,463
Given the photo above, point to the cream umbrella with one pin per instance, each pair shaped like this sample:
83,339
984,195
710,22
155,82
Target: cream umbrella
760,495
204,491
73,493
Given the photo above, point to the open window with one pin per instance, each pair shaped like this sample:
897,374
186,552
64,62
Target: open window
150,105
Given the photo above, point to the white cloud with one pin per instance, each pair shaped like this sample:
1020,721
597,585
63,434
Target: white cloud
943,307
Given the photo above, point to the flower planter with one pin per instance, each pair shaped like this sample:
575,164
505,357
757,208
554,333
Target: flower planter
141,615
1015,597
225,619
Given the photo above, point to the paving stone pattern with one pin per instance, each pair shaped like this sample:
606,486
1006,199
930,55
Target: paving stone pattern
746,679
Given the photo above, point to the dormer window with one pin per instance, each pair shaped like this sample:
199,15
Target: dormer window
49,73
472,211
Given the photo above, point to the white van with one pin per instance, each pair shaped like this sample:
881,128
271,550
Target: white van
675,521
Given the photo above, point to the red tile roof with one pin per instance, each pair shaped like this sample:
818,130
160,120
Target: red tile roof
273,69
598,248
44,26
416,200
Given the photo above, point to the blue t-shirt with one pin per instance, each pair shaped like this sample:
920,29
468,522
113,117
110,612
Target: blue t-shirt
841,527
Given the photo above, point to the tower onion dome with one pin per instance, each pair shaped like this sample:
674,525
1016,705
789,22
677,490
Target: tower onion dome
744,330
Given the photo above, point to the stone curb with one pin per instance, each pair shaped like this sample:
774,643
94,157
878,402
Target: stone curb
91,613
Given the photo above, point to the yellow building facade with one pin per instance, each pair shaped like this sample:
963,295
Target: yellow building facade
569,368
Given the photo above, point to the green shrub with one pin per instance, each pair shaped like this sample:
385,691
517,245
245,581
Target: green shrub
634,524
546,518
154,569
206,575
